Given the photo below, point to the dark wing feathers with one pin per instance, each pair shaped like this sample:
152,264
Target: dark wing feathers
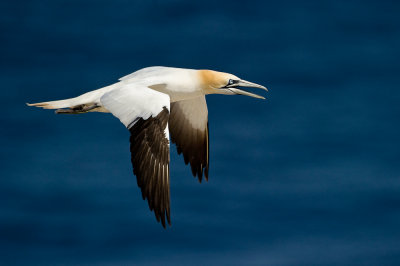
191,141
150,160
188,125
145,112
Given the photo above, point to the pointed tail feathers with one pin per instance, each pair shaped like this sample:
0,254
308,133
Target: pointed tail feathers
54,104
91,97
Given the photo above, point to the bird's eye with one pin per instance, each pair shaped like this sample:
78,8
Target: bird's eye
230,82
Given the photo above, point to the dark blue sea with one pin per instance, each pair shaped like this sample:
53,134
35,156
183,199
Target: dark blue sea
309,176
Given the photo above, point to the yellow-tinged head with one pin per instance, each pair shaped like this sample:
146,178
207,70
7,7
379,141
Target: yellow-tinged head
211,80
214,82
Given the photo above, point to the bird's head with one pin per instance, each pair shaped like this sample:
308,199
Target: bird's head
213,82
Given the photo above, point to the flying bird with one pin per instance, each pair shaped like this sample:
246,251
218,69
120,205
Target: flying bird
153,103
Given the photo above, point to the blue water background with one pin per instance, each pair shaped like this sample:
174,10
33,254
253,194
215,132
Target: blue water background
310,176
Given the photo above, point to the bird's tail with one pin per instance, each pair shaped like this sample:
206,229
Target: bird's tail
81,104
67,106
54,104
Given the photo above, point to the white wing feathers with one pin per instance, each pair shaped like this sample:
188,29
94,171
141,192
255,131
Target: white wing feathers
132,102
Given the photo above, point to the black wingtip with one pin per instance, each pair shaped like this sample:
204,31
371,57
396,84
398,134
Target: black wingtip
149,147
163,221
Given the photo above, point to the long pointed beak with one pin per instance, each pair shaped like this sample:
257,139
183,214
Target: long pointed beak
244,83
242,92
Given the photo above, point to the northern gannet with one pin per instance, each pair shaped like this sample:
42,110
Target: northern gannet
153,103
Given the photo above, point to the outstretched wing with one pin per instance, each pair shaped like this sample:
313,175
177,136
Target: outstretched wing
188,124
145,113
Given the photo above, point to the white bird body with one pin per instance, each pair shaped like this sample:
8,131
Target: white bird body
152,103
180,84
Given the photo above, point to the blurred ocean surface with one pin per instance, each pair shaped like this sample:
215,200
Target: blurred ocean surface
310,176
